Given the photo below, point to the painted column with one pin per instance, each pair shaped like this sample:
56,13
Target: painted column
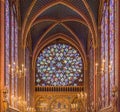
21,80
95,73
119,61
1,53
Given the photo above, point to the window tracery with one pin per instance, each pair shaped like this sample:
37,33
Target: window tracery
59,65
11,49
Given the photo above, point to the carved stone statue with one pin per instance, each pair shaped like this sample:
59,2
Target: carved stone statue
114,99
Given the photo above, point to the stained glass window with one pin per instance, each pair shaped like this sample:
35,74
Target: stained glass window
7,45
16,55
11,49
107,52
106,56
59,65
14,51
112,44
102,57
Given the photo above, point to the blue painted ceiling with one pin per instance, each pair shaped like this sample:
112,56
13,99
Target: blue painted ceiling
59,13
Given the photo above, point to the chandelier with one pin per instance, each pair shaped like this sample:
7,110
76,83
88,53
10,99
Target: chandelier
17,71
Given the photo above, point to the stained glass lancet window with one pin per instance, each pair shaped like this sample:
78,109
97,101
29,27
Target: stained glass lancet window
16,55
12,52
102,57
7,45
59,65
112,44
11,49
107,52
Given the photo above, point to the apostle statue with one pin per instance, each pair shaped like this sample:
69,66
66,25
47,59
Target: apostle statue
114,99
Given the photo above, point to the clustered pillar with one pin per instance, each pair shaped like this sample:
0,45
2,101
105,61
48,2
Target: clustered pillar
1,54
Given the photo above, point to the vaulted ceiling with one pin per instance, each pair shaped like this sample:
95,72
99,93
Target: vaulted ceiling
44,18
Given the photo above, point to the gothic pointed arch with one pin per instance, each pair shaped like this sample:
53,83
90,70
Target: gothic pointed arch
67,5
53,38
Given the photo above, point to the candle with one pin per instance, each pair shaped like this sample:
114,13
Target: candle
22,67
17,69
14,63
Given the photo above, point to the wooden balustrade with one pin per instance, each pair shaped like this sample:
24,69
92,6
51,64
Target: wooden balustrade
59,88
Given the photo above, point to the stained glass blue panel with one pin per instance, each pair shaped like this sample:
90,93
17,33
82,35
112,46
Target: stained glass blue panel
59,65
108,52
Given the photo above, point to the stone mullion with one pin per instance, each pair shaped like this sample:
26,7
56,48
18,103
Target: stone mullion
119,62
14,78
108,53
21,59
9,55
1,53
94,79
115,32
104,63
10,51
88,71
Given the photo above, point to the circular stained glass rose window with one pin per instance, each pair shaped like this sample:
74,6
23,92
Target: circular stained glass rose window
59,65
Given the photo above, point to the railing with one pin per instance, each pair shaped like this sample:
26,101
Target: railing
59,88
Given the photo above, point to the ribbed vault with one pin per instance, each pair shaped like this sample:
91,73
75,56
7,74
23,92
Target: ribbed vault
74,18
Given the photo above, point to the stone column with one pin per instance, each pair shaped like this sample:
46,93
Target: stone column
1,53
21,81
119,61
